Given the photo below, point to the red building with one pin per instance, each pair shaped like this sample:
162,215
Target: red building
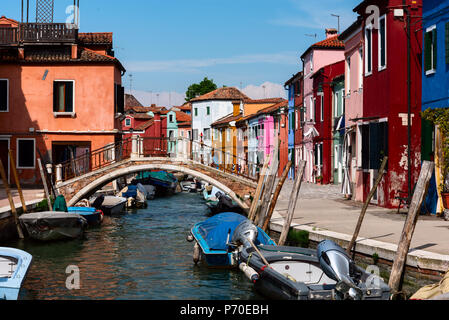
383,128
323,81
149,123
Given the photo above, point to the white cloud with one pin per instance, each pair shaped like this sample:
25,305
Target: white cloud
195,65
265,90
170,99
164,99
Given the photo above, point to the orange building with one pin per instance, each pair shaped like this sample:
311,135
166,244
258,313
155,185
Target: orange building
61,94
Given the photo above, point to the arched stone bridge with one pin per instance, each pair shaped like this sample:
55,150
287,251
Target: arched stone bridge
237,187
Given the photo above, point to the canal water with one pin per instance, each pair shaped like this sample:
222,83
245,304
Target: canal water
142,254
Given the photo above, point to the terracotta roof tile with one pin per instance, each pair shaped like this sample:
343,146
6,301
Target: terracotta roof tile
226,119
145,125
266,110
131,101
263,101
95,38
227,93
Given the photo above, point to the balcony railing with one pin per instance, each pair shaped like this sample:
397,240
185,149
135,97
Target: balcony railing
8,36
47,33
34,33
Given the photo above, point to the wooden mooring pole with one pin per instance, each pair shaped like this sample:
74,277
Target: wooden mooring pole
365,206
276,194
255,203
11,201
419,196
16,177
292,203
44,182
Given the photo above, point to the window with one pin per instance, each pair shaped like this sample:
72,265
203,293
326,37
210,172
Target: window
430,50
195,134
206,134
4,95
119,99
63,96
447,42
208,111
348,75
26,153
368,50
196,112
382,43
311,62
360,68
311,108
314,110
127,122
170,117
228,135
322,108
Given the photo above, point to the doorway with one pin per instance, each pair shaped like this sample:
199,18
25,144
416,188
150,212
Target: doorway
4,157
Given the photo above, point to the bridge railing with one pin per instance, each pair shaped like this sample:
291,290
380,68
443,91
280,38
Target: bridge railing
226,160
94,160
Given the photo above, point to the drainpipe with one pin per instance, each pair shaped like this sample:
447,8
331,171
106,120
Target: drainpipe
409,107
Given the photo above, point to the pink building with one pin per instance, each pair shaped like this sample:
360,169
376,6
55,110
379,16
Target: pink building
353,38
320,54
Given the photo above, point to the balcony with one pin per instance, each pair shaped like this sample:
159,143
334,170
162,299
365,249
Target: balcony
38,33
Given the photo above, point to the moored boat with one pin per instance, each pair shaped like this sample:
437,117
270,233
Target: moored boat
164,182
304,274
94,217
14,265
223,204
109,205
51,225
134,195
219,239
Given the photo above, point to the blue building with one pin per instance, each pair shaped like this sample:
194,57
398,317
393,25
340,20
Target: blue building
295,102
435,88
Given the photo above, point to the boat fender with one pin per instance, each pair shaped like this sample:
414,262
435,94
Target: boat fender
249,272
196,253
190,237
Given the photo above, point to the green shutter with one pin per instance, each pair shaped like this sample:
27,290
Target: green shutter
447,42
435,50
427,51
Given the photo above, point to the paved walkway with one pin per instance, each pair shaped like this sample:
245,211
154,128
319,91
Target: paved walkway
30,195
323,212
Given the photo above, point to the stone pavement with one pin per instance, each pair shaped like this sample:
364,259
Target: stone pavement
324,213
30,196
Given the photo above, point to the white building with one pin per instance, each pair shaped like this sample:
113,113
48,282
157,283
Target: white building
207,109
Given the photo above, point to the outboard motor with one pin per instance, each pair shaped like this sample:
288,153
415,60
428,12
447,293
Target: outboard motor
337,265
244,231
98,202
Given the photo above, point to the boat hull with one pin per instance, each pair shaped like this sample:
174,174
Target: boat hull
50,226
93,217
10,285
214,235
296,274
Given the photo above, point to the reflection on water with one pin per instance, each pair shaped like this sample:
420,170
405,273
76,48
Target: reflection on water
140,255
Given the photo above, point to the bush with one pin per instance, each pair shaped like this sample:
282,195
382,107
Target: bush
299,238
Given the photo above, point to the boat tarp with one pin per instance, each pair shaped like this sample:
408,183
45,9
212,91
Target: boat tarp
434,290
215,230
60,205
159,175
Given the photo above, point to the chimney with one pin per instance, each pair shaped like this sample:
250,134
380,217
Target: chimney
74,51
331,33
21,53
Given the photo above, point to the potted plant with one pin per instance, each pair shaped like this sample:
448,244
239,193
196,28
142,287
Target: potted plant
440,118
319,180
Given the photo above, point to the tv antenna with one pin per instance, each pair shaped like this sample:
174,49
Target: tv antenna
338,17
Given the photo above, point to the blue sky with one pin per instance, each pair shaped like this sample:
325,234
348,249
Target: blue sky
168,45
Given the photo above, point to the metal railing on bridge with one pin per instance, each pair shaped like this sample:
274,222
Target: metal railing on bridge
149,147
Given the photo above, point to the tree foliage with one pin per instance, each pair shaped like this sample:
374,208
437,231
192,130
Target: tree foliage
440,118
198,89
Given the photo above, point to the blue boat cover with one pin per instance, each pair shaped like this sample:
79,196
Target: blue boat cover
82,210
215,230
